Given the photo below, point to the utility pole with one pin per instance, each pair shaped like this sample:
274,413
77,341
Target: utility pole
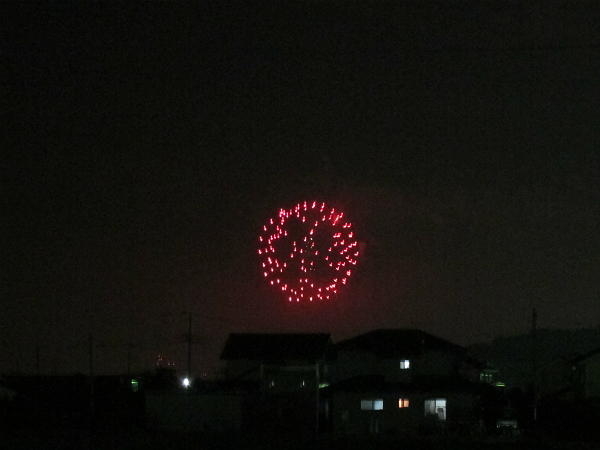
91,354
189,355
534,363
318,380
37,359
129,345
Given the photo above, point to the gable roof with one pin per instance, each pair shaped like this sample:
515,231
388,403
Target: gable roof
586,356
276,346
397,343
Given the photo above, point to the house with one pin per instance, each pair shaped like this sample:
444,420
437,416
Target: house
568,397
279,376
585,375
277,362
385,381
403,355
570,378
401,381
76,400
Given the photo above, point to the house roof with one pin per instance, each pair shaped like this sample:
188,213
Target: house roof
585,356
276,346
397,343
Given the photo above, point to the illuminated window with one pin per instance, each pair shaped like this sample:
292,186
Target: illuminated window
436,407
403,403
135,385
486,377
405,364
371,404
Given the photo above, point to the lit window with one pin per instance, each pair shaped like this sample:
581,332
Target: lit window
134,385
485,377
371,404
436,407
405,364
403,403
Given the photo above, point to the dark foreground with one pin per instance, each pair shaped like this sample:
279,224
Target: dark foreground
138,438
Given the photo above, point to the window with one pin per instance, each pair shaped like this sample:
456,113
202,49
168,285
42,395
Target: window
371,404
436,407
405,364
403,403
486,377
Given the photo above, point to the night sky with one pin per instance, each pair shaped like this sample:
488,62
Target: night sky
144,145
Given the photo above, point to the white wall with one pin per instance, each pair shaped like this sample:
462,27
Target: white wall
348,418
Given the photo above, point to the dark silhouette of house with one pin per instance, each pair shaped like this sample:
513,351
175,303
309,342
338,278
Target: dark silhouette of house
277,362
76,401
403,355
567,397
279,376
585,375
402,381
398,380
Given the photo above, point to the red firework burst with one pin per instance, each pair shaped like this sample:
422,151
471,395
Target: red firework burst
307,252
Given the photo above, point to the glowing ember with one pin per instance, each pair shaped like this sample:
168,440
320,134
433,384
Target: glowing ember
307,251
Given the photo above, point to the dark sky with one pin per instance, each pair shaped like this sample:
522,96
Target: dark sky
143,145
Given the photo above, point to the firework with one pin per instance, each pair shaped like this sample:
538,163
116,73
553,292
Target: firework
308,252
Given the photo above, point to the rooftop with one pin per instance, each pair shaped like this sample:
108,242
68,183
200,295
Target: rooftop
401,343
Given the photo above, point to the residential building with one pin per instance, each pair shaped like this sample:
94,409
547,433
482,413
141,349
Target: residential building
585,375
402,381
402,355
277,362
385,381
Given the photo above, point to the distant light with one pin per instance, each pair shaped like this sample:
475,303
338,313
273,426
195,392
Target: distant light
186,382
323,385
